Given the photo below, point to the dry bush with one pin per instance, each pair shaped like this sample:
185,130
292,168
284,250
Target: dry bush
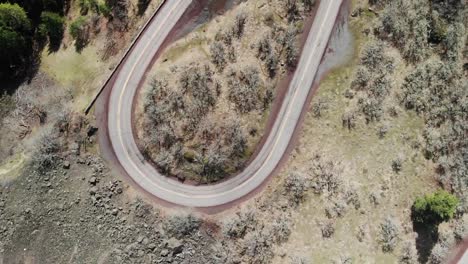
218,55
296,187
182,225
240,224
326,177
245,88
290,47
409,254
46,151
327,229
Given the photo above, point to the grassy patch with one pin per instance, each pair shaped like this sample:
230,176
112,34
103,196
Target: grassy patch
181,49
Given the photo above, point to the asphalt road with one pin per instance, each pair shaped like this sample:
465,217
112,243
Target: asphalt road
133,70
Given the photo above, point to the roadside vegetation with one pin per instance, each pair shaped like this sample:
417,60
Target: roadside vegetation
203,111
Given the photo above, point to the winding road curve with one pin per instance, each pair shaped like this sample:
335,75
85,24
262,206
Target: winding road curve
133,70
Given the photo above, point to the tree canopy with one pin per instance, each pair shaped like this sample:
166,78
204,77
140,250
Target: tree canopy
436,207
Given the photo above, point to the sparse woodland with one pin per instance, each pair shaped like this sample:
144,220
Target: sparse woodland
431,38
417,61
203,117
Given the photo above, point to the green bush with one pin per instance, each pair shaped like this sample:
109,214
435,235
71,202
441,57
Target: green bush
53,24
433,208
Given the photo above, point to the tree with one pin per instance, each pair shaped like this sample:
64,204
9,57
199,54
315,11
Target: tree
15,38
79,30
434,208
53,24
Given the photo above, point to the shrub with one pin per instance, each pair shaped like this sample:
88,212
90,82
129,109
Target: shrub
326,177
104,9
212,164
119,11
409,255
296,187
237,226
396,165
371,108
319,108
434,208
290,46
388,235
218,55
46,152
281,229
299,260
258,246
439,254
182,225
361,79
239,24
373,56
271,64
405,24
244,88
327,229
348,120
292,9
308,4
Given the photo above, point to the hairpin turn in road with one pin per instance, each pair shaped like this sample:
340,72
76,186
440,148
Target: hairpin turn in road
131,73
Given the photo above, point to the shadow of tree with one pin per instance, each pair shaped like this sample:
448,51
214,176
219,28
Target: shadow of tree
426,240
142,6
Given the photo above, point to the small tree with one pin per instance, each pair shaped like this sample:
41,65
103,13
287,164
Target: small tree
434,208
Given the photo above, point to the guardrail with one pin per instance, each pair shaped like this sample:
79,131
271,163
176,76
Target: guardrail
132,44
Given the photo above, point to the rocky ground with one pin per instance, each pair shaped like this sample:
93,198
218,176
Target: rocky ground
77,211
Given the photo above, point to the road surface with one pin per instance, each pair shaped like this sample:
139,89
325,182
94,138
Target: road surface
132,72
